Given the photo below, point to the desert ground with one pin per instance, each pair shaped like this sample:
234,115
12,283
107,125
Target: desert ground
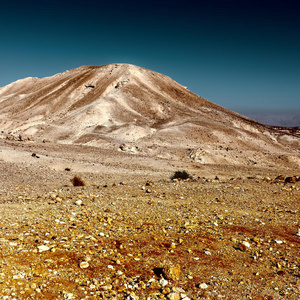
133,233
89,210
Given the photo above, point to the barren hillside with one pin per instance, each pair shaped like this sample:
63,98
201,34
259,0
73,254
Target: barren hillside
128,108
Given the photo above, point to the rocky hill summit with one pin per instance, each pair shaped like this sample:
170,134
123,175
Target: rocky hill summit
132,109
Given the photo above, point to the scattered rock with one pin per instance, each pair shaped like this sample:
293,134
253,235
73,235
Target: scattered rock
69,296
172,272
247,244
278,241
129,149
203,286
43,248
84,265
242,247
163,282
290,179
149,183
109,247
174,296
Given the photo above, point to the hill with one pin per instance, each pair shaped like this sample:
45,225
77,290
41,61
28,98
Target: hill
129,108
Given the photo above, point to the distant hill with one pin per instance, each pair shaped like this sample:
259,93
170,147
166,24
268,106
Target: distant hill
282,119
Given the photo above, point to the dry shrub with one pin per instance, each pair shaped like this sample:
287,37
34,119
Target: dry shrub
181,175
77,181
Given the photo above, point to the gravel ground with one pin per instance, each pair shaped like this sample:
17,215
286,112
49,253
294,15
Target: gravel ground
148,237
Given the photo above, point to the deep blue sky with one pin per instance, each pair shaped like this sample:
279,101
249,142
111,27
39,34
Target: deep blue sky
243,55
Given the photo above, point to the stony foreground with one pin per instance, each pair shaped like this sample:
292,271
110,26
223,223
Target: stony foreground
234,238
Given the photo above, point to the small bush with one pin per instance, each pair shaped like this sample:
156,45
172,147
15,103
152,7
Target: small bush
77,181
181,175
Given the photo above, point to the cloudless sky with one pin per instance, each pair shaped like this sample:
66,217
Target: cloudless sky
243,55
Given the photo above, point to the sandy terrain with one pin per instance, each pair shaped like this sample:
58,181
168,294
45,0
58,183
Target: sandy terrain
231,232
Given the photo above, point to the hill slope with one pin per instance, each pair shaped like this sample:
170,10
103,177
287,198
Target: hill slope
130,108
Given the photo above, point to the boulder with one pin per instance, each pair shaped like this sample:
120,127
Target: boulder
171,272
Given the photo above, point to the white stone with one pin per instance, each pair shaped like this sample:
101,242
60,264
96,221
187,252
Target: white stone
174,296
247,244
119,273
68,296
19,276
84,265
278,242
178,289
163,282
43,248
203,286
